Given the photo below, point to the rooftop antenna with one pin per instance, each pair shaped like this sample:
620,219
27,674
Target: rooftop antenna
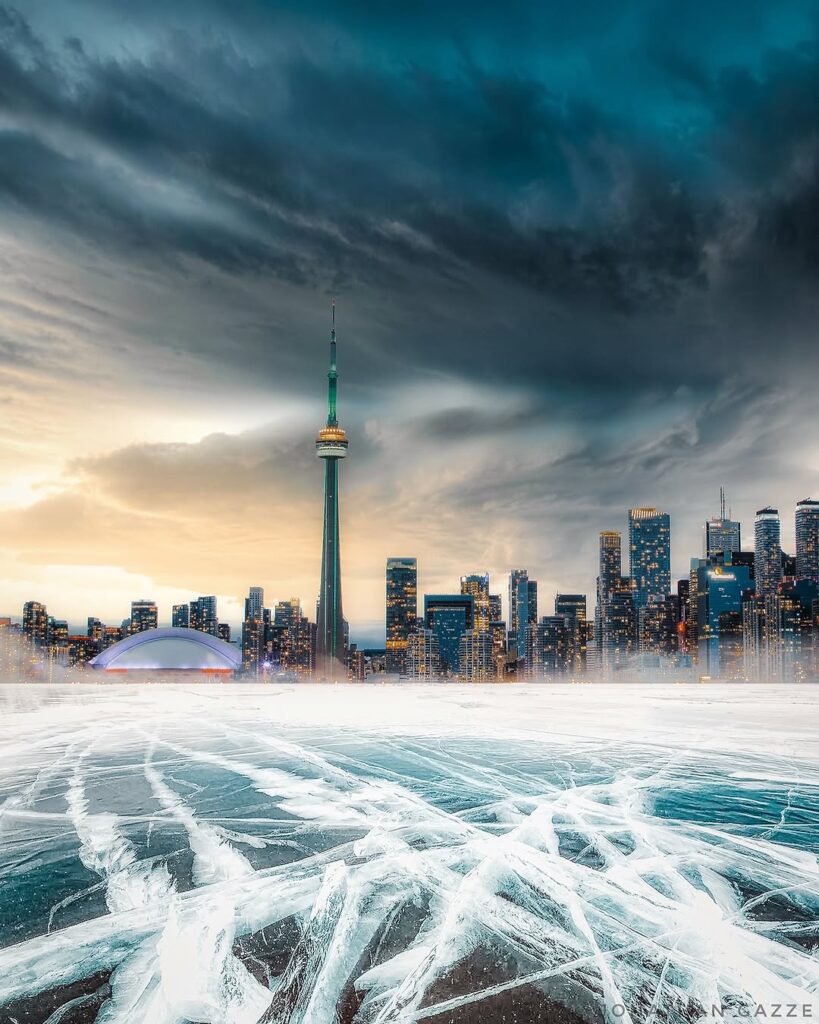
722,502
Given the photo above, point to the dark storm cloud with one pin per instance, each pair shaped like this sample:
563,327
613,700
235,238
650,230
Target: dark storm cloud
319,166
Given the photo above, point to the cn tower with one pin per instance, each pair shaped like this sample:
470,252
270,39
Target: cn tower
331,445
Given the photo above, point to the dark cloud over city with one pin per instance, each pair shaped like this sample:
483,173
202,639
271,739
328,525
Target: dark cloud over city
575,250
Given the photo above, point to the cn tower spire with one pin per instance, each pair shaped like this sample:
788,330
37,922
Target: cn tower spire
332,375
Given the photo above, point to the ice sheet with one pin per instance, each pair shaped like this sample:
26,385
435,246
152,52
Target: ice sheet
376,854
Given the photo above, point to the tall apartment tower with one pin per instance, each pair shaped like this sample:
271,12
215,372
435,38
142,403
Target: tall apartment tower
807,540
181,616
478,586
402,609
143,616
649,541
767,552
518,609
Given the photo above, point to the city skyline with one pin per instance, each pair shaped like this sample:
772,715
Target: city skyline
403,589
577,277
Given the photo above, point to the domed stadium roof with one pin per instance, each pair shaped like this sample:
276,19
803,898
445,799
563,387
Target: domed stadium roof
170,649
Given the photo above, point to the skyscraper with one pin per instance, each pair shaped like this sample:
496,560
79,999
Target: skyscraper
254,603
402,609
295,639
553,646
181,616
518,610
143,616
476,661
203,615
767,552
807,540
531,602
722,534
35,623
720,589
649,541
449,616
478,586
611,564
422,657
615,627
254,632
331,445
572,609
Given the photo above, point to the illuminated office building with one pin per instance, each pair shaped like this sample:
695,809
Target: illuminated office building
614,616
402,609
721,590
143,616
722,533
423,659
618,627
518,610
181,616
649,537
475,656
35,623
204,616
553,646
531,602
572,609
610,564
254,630
767,552
772,638
495,608
807,541
477,586
449,616
296,637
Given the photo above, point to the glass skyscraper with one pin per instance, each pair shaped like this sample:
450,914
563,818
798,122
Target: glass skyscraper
807,540
449,616
721,535
518,594
478,586
649,541
767,552
402,609
721,590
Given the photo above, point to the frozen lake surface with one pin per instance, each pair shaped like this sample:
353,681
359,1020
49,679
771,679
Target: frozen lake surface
233,854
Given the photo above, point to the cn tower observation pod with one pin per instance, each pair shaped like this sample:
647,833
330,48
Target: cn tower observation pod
169,649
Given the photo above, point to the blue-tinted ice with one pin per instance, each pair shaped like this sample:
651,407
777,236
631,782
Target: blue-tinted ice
172,855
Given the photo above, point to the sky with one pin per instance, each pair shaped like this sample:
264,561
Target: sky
575,253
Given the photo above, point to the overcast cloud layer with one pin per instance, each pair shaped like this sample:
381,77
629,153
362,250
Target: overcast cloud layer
575,251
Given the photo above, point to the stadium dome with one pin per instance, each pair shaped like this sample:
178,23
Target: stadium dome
170,649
